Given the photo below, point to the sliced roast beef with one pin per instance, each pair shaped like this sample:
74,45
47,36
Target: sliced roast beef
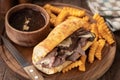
49,59
77,53
70,49
83,41
59,60
73,57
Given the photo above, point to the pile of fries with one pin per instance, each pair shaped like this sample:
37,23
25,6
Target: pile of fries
98,26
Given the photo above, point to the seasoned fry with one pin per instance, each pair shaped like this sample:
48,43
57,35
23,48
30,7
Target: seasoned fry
53,8
92,52
61,17
73,65
82,66
75,12
98,53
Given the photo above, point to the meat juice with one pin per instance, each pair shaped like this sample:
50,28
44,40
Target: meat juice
29,17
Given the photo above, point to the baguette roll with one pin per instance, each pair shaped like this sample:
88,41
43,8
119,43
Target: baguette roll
55,37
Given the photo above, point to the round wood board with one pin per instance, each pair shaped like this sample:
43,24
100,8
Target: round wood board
93,71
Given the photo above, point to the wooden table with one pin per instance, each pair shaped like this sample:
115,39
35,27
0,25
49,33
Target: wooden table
112,74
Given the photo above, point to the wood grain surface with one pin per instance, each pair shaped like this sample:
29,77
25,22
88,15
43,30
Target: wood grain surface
112,74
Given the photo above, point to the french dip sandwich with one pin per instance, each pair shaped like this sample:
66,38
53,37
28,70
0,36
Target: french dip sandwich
64,45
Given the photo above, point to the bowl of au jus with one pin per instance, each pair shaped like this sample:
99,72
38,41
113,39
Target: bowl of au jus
27,24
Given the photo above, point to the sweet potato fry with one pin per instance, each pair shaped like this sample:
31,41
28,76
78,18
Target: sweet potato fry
73,65
83,60
98,53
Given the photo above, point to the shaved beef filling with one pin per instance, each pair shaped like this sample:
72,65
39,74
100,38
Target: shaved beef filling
68,50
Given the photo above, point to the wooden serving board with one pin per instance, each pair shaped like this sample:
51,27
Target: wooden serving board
93,71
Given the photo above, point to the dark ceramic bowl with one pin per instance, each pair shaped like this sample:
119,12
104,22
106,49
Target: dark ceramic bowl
26,38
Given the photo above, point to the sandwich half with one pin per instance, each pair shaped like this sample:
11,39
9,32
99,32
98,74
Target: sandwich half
64,45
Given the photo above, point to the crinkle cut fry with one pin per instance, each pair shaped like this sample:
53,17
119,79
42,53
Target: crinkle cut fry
53,8
103,29
106,33
52,21
99,33
86,18
86,25
75,12
92,51
72,65
95,16
50,13
52,16
98,18
82,66
94,30
107,30
61,17
98,53
99,21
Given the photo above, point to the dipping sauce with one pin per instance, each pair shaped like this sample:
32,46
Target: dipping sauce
27,19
